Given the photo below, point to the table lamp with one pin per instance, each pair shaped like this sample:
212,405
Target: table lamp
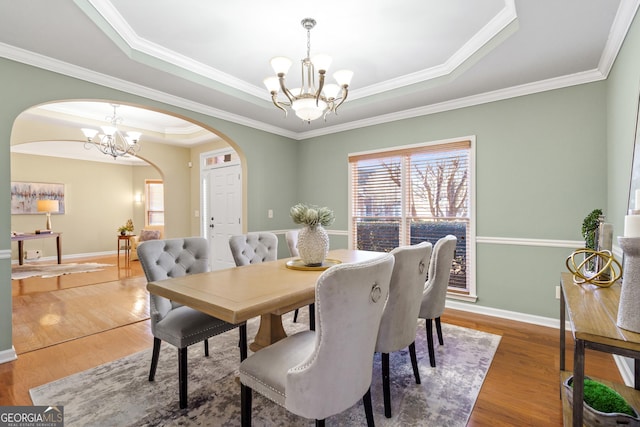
48,206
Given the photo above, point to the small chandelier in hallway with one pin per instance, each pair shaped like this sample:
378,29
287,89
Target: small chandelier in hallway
112,141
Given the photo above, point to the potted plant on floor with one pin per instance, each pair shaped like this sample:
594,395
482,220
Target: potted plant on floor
603,406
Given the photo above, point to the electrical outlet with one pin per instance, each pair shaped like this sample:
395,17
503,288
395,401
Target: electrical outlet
557,292
32,254
270,213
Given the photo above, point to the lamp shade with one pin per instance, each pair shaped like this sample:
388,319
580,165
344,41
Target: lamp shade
272,84
108,130
48,205
343,77
89,133
321,62
281,64
331,91
133,136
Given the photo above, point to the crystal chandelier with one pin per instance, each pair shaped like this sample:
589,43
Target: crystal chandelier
309,102
112,141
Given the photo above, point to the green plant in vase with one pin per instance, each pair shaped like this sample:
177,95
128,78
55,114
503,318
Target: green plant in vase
589,226
127,228
603,405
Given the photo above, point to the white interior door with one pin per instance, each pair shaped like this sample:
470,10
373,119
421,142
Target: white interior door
224,212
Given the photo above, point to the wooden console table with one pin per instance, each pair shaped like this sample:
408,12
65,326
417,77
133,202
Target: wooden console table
593,312
20,238
125,242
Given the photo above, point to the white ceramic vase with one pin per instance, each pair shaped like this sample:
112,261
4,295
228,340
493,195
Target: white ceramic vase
313,245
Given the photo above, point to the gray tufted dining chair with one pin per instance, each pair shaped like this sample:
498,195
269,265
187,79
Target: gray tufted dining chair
435,289
252,248
292,243
174,323
317,374
399,322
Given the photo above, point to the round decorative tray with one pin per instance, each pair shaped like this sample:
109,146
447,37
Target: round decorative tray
297,264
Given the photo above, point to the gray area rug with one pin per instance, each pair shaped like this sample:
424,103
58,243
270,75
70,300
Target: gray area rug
53,270
119,393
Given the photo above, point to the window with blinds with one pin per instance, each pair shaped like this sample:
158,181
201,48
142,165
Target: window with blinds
154,207
412,194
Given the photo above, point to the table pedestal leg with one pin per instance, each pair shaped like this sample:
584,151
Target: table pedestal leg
270,331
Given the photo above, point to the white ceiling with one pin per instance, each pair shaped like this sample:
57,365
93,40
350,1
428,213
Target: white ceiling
409,58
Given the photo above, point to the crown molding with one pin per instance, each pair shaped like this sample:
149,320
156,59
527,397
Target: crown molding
622,22
60,67
619,29
470,101
105,15
47,63
497,25
81,73
131,41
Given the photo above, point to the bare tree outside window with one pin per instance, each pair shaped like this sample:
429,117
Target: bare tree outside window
444,182
419,195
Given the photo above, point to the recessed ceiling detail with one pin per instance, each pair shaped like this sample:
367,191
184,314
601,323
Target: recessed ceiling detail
443,47
412,58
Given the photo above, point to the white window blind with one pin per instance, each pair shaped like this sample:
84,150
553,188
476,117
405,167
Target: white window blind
154,208
409,195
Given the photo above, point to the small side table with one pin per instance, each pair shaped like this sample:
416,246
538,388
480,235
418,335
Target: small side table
125,241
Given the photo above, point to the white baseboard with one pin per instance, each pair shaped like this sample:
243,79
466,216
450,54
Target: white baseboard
505,314
73,256
8,355
624,364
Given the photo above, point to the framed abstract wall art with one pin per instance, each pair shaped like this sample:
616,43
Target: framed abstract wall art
25,196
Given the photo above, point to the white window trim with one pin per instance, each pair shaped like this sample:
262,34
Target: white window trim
471,243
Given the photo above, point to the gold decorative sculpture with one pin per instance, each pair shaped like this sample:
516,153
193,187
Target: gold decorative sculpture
610,269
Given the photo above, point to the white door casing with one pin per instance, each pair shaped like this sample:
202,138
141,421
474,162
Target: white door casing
222,209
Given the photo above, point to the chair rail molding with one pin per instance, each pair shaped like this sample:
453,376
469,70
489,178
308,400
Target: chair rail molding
519,241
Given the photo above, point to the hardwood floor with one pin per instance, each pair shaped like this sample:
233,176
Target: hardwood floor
71,323
521,388
48,311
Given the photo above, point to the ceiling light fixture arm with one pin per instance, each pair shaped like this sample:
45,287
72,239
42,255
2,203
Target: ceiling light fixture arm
284,89
343,97
274,98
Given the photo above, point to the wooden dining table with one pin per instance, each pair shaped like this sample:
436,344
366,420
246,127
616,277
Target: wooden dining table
269,290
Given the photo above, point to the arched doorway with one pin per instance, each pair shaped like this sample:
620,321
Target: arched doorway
92,217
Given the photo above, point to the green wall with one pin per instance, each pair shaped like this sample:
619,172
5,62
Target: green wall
267,160
531,155
543,162
622,107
